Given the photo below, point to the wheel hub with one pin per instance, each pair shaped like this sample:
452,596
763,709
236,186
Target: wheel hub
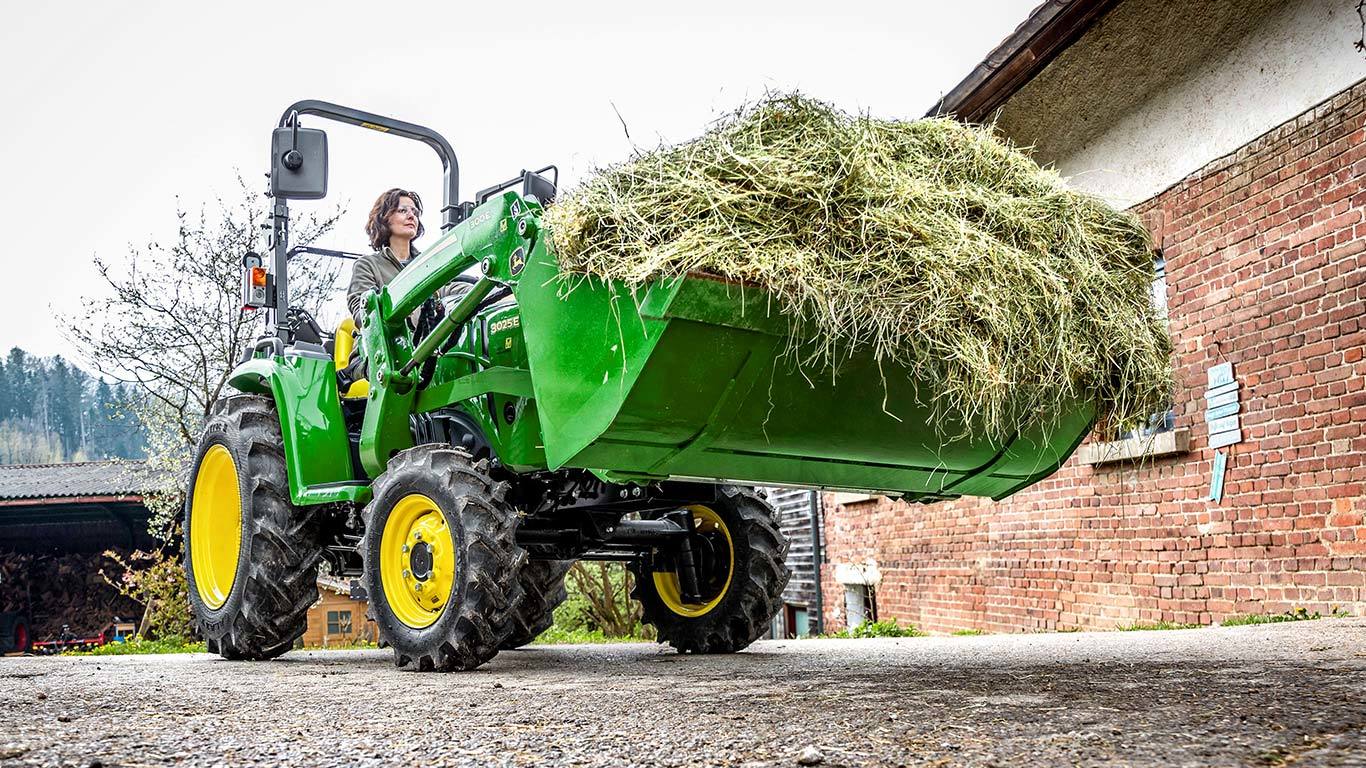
420,561
417,561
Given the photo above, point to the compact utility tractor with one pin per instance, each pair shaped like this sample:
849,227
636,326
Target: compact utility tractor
542,419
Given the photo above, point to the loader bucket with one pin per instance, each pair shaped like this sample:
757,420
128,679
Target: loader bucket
689,378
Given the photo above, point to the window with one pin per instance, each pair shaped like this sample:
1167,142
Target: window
860,604
1160,284
1164,421
338,622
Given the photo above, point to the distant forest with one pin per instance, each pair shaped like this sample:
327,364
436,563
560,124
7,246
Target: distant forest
53,412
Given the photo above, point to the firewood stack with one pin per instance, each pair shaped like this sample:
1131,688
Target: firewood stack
57,589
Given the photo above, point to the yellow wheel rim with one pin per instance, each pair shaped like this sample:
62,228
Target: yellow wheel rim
416,561
709,524
215,526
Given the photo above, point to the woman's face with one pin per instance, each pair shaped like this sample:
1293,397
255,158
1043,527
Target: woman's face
403,219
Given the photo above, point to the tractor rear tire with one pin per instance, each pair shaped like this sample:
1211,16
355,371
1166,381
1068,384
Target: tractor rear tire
14,634
251,556
742,598
440,556
540,590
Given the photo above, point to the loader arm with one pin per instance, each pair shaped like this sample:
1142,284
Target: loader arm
495,236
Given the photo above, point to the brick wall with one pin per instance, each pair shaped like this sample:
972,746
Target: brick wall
1265,270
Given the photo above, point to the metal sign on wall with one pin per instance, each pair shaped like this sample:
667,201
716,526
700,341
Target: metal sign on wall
1222,409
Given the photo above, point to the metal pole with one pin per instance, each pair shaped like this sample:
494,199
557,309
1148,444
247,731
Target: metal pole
279,266
816,559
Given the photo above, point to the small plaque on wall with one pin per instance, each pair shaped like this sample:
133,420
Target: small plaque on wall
1222,406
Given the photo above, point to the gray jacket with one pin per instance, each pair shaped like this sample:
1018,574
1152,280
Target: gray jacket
370,273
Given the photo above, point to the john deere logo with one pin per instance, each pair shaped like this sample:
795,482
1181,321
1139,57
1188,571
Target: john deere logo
516,261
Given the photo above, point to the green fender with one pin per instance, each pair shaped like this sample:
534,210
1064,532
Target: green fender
317,454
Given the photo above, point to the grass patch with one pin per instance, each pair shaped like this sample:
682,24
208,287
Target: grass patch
886,628
937,246
1154,625
1298,614
968,632
139,646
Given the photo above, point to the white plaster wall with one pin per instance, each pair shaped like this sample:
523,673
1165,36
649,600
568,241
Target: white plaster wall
1298,57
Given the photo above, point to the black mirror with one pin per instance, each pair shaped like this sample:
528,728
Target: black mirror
298,163
537,186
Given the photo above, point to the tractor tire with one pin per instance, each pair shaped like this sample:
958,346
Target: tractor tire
540,590
14,634
440,556
251,556
744,592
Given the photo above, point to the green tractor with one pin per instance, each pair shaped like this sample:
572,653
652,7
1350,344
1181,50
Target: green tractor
545,418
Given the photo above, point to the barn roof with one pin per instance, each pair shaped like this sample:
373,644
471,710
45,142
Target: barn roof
79,479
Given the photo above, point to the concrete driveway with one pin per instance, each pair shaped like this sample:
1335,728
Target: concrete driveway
1258,695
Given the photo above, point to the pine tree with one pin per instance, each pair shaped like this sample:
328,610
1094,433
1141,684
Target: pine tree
20,383
6,396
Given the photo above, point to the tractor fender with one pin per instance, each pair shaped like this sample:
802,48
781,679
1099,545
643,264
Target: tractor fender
304,389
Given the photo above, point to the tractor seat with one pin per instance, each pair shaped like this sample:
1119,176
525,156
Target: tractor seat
342,344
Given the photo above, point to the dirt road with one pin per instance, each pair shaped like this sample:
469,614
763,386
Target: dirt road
1260,695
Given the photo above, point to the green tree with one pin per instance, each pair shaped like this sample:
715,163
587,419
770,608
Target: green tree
6,396
20,381
63,387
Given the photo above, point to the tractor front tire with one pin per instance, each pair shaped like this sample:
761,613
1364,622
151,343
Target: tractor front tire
540,590
251,556
440,558
744,589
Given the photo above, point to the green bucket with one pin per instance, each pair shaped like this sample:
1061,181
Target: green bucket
690,379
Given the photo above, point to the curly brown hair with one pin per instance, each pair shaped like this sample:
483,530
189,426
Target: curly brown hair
377,226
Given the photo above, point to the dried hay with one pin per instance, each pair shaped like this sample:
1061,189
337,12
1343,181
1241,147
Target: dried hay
935,244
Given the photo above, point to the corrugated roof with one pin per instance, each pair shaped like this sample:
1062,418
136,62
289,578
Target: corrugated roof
86,478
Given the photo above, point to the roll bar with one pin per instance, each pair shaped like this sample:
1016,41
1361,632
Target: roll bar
452,211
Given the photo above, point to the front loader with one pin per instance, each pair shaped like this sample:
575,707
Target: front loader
545,418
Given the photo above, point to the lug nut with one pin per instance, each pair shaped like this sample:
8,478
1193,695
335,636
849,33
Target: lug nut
405,547
407,574
418,587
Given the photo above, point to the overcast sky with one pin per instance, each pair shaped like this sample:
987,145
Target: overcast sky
116,111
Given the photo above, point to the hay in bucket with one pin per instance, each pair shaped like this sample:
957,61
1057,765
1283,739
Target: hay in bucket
934,244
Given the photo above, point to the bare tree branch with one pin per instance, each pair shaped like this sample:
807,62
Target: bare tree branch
168,320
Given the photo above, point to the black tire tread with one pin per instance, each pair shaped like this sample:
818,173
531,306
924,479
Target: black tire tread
491,557
284,548
761,578
540,590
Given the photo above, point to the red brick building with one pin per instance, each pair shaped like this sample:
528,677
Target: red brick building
1238,133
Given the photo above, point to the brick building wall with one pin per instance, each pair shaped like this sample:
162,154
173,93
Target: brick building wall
1265,269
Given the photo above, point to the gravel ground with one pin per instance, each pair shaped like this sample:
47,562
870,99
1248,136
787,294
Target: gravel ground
1259,695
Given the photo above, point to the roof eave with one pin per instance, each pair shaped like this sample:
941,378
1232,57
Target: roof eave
1048,31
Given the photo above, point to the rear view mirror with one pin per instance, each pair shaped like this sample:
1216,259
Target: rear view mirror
298,163
537,186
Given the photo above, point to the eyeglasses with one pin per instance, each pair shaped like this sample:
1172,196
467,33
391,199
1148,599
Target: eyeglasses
404,210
